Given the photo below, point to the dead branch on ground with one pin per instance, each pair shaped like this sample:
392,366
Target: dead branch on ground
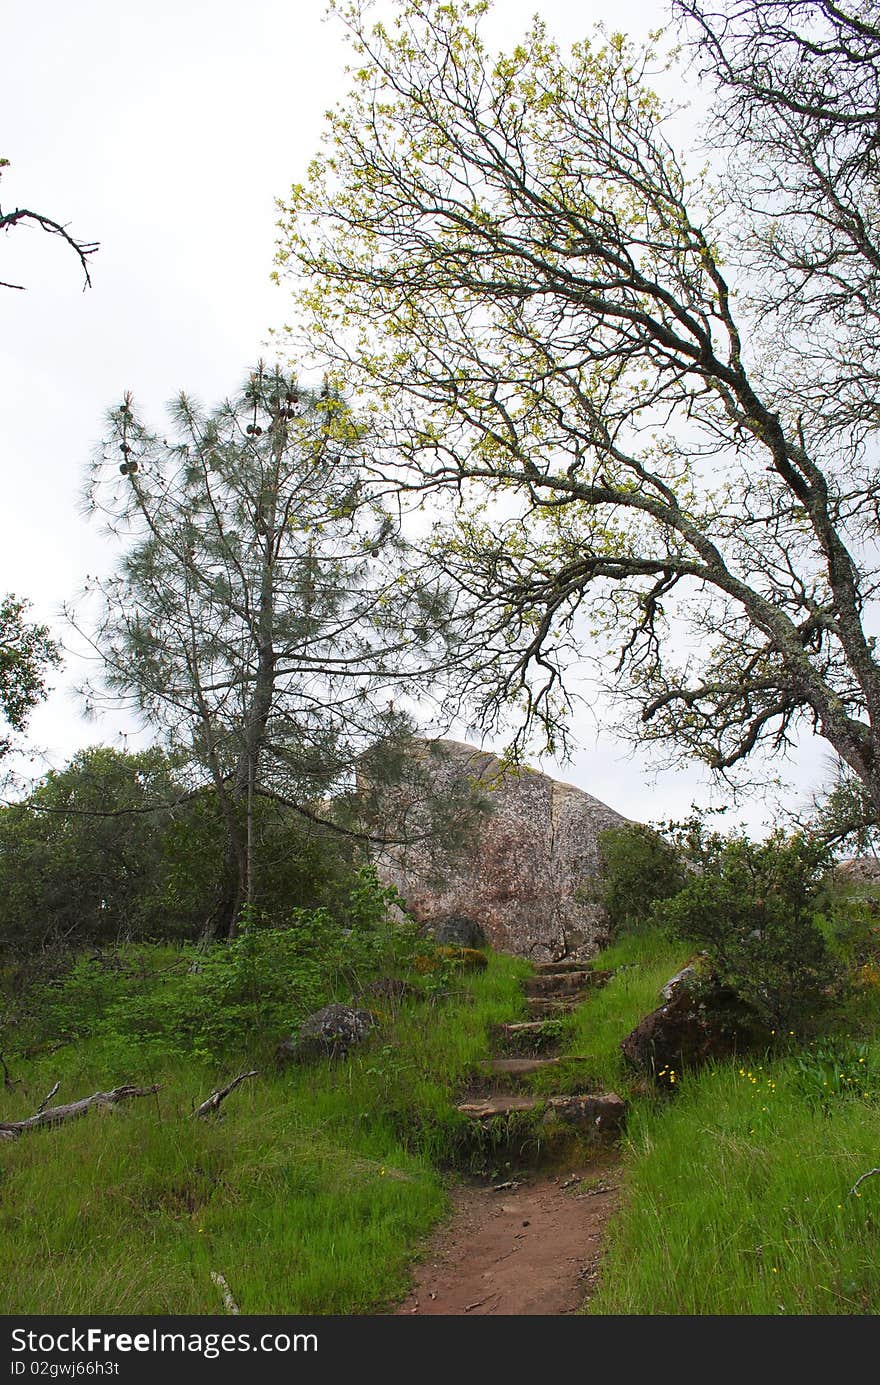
216,1098
229,1302
854,1190
58,1115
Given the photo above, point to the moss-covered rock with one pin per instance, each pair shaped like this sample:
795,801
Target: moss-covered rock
464,958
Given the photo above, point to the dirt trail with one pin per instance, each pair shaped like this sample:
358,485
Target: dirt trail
527,1249
530,1245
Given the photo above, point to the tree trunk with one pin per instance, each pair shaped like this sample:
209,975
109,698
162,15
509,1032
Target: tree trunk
223,918
237,885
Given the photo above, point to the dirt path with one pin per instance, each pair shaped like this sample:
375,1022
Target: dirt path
533,1248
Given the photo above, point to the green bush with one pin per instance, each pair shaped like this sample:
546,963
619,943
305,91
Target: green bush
641,867
81,858
224,1000
112,849
753,907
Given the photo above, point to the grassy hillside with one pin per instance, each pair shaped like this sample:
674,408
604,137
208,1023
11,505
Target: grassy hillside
738,1188
315,1187
309,1194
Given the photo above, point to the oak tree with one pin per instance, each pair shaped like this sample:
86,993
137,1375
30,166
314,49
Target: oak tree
651,390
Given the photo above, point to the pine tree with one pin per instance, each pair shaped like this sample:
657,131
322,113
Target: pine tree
259,617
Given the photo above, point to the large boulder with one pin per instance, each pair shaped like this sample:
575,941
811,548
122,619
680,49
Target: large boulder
857,871
699,1020
328,1033
458,930
523,875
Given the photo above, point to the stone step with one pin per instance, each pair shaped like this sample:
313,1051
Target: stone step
507,1104
556,982
590,1113
522,1027
542,968
589,976
600,978
524,1067
553,1006
593,1113
525,1036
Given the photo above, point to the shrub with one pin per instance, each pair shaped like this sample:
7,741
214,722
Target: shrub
81,858
112,849
753,906
223,1000
641,867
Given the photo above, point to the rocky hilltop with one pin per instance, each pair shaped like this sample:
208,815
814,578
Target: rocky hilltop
521,876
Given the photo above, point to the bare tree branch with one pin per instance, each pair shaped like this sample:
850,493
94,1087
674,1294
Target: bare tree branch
216,1099
23,215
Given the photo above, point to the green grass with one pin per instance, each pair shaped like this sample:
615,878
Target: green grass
309,1195
317,1186
737,1191
738,1202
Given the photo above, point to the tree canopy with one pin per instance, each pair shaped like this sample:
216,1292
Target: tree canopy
82,857
27,650
650,389
117,847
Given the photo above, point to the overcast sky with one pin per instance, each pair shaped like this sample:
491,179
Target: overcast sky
165,129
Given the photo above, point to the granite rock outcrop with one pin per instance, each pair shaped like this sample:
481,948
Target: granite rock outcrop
523,875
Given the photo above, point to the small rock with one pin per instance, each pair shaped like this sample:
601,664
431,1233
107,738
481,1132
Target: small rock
328,1033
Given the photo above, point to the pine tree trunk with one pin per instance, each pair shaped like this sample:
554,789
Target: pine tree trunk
223,918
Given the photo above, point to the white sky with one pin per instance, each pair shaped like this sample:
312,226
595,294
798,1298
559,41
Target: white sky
165,129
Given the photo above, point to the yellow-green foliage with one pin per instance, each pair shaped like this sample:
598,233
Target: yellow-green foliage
459,958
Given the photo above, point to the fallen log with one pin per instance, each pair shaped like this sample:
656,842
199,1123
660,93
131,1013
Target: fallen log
57,1115
216,1098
